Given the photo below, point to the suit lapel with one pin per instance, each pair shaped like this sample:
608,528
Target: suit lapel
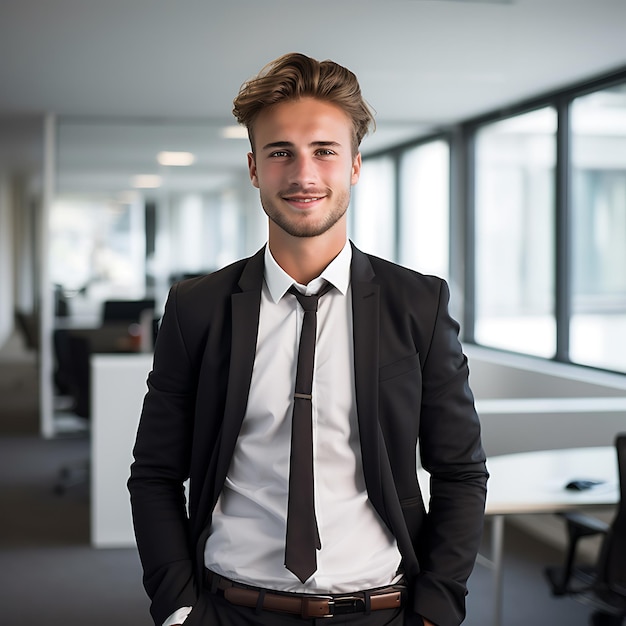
366,320
245,306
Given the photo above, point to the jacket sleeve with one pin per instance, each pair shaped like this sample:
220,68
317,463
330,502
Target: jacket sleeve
452,453
160,468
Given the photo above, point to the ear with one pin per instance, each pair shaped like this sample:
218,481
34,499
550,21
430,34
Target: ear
356,169
252,170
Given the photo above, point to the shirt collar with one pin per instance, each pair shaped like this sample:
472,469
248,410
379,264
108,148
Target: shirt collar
337,273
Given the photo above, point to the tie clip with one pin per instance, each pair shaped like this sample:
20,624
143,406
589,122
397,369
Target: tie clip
304,396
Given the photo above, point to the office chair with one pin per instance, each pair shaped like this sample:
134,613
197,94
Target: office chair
603,585
73,377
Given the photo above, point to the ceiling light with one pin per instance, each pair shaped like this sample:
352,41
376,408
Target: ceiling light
175,158
146,181
128,197
235,132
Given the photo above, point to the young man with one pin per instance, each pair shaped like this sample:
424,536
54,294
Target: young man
389,373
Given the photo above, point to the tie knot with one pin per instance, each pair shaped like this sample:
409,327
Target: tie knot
309,303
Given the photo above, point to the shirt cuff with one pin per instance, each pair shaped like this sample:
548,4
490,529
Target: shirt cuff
178,617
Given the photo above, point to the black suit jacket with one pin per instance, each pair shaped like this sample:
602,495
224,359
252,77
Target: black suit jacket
411,384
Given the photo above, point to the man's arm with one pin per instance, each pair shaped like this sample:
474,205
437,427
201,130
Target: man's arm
161,466
451,451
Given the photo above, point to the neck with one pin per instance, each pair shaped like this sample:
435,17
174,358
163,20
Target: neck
305,258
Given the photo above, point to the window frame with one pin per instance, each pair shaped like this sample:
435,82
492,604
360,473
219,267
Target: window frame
561,100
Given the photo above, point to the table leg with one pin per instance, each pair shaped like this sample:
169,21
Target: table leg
497,541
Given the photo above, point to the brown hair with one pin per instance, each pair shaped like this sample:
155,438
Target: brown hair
294,76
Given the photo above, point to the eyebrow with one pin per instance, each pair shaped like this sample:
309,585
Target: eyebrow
287,144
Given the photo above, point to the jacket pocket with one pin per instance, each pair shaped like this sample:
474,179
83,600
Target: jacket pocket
414,512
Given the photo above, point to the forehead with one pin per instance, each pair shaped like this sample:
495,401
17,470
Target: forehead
307,119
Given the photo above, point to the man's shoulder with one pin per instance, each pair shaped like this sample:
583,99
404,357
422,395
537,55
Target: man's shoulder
222,281
387,270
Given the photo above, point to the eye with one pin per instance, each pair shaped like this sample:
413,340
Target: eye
279,154
325,152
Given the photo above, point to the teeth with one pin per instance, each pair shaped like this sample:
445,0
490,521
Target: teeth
306,199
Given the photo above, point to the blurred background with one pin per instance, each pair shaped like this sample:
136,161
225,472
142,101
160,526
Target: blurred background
498,163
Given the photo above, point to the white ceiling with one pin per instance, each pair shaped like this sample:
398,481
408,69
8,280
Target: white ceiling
422,64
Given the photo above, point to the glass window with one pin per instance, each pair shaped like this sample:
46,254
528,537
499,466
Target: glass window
373,213
598,201
514,237
203,231
424,237
97,247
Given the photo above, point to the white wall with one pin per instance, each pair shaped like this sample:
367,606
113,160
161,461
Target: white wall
530,404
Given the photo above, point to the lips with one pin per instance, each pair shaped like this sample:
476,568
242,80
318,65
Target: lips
303,201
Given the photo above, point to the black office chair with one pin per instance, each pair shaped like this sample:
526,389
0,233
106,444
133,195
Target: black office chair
71,374
603,585
72,378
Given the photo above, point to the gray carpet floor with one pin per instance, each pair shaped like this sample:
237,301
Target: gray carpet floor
51,576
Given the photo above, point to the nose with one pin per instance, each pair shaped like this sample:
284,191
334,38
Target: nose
303,171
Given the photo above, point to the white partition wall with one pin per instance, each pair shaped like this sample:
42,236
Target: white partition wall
530,404
118,385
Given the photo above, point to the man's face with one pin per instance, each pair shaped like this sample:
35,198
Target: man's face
303,165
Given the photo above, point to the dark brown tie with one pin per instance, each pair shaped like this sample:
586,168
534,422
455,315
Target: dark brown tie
303,538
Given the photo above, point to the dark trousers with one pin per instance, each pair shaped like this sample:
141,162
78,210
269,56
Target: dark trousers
214,610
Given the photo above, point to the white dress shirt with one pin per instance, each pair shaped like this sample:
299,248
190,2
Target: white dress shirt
247,538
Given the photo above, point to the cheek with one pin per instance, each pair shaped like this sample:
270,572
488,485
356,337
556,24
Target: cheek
267,178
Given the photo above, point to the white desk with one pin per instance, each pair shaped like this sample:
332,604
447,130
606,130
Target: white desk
534,482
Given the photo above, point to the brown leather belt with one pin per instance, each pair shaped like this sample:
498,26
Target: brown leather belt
305,605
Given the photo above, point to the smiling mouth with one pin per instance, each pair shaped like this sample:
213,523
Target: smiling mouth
303,200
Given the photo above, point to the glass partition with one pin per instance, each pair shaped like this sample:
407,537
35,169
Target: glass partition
97,247
139,204
136,206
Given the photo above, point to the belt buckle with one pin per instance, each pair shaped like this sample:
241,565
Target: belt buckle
345,605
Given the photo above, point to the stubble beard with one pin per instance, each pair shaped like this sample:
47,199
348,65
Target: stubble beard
303,226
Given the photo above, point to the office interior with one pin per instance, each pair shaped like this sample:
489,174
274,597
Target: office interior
498,163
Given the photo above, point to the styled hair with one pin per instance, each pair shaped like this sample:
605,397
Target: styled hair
294,76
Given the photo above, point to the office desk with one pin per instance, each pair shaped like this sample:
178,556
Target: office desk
534,483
